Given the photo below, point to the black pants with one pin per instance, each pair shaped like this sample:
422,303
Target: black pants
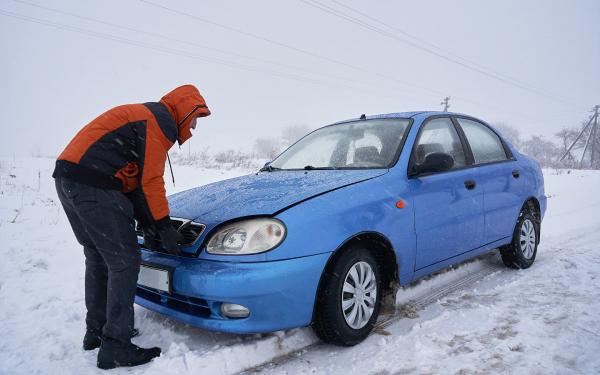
103,223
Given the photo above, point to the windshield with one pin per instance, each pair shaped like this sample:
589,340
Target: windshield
361,144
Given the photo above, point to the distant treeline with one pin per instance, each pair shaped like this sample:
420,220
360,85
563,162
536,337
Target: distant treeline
546,152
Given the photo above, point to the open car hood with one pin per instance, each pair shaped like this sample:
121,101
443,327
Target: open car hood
264,193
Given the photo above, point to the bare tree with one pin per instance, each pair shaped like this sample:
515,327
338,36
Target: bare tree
36,152
543,151
509,132
593,143
291,133
267,147
566,137
586,135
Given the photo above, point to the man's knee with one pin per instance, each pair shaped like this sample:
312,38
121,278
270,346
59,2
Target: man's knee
124,264
93,256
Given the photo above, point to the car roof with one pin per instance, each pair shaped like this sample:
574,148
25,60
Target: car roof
404,115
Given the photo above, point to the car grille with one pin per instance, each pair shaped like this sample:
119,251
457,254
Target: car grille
187,305
190,230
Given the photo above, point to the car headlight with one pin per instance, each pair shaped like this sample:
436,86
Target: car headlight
245,237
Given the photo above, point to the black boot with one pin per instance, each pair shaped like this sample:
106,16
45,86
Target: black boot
93,338
113,355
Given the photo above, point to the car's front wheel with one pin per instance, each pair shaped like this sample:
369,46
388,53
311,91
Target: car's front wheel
521,252
348,299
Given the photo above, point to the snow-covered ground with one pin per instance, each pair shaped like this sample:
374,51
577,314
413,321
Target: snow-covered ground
479,318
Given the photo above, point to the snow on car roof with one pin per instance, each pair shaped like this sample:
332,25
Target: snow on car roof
402,115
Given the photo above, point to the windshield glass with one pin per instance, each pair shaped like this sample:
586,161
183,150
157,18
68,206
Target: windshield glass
355,145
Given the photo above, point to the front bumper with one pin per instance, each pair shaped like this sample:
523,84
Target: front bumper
279,294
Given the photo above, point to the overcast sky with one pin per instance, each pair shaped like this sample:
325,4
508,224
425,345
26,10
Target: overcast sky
533,64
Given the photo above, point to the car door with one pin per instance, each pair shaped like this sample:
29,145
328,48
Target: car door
448,205
499,176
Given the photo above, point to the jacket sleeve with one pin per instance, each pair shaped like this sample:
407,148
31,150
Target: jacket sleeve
150,201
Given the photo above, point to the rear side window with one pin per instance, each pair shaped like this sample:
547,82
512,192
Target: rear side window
485,144
439,135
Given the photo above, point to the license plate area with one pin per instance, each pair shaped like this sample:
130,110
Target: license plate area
156,276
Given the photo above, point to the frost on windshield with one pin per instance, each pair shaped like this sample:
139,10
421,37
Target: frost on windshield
355,145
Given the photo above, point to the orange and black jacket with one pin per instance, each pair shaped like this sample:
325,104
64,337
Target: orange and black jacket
126,148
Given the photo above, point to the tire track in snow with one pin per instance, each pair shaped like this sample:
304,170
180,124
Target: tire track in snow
424,299
429,298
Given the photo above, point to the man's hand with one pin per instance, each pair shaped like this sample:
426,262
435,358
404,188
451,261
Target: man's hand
150,238
171,239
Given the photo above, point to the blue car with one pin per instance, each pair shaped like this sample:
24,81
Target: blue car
326,233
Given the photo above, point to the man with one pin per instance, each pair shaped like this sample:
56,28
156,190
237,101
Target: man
109,174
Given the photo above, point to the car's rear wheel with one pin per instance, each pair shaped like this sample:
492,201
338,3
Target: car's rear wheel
521,252
348,299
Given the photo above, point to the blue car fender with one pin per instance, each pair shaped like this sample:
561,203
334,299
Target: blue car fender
323,223
533,182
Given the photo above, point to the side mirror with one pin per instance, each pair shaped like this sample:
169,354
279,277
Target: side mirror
435,162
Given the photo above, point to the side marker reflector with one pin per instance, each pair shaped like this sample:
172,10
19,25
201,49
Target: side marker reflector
400,204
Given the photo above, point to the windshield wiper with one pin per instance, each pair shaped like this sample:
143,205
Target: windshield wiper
268,168
310,167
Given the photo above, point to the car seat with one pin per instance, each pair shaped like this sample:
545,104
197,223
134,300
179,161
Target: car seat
428,148
368,154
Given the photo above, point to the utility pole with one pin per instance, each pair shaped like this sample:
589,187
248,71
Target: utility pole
591,136
594,136
446,104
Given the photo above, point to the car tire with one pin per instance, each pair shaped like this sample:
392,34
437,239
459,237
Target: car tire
521,252
342,316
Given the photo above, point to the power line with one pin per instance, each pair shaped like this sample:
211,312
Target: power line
228,63
321,57
356,21
216,49
568,119
288,47
455,55
544,116
204,58
373,28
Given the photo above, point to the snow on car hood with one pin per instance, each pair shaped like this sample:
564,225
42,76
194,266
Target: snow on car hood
260,194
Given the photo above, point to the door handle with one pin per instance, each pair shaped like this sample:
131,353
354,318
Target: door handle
516,174
470,184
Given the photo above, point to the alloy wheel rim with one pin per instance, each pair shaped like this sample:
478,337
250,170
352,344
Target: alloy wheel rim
527,238
359,295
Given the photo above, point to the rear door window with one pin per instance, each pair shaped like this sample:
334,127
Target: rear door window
485,144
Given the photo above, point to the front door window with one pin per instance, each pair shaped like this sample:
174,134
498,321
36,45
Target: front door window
439,135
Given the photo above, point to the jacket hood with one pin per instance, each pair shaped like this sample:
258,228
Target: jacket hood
185,102
264,193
